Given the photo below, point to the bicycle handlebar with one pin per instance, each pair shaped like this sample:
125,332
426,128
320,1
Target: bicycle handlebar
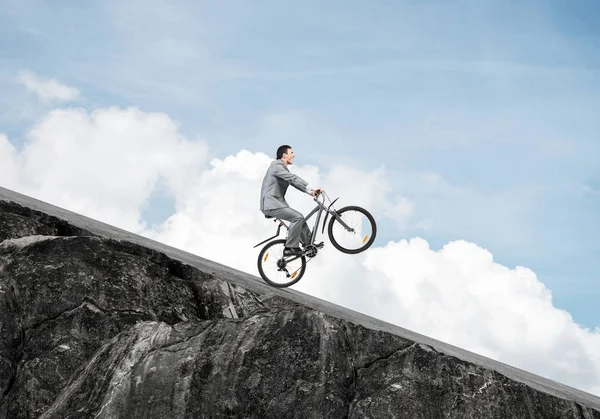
320,194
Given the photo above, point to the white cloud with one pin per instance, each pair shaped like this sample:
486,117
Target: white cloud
370,190
48,90
459,295
105,164
218,216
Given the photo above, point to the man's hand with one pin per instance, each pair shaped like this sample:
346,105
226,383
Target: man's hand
316,191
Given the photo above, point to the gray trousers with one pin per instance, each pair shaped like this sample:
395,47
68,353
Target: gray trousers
299,231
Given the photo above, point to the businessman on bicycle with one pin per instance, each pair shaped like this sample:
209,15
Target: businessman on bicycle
273,203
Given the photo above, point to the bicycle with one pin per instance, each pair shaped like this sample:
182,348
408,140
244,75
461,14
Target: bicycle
351,225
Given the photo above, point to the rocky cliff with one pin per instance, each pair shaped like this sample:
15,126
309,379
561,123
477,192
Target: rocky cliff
96,326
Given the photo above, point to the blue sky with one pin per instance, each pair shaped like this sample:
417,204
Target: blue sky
485,114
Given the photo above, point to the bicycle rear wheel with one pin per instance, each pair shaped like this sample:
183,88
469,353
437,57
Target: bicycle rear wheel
276,270
358,233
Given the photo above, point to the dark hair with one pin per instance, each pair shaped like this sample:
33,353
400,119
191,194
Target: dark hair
282,150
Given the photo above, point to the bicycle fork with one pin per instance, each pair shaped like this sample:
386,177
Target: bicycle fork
339,220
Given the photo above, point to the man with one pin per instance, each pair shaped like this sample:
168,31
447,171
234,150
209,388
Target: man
273,203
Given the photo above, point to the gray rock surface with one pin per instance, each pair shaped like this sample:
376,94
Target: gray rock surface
95,326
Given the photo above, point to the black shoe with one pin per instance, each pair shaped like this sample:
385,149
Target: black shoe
292,251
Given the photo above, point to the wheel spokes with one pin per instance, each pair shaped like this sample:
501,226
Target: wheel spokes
358,233
273,269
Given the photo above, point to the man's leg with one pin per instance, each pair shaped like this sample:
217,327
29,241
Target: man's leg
305,234
298,228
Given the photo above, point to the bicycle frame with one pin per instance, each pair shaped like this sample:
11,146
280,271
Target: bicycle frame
318,209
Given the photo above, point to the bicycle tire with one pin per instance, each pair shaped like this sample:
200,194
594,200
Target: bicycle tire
366,245
263,257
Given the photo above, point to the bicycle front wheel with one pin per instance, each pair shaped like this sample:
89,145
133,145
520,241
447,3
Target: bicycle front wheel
277,270
352,230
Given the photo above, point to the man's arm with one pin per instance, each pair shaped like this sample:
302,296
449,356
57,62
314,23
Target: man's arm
294,180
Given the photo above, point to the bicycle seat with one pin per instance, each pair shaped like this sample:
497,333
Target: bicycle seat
269,216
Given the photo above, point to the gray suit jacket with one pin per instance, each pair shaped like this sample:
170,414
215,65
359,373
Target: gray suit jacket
275,184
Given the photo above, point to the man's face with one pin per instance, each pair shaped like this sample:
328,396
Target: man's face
288,157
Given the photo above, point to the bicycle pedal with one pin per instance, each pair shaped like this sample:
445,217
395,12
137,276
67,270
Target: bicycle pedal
320,245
